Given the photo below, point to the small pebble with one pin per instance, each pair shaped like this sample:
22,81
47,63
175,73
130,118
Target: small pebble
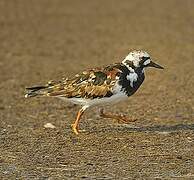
49,125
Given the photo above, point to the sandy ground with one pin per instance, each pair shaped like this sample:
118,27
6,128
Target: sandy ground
45,39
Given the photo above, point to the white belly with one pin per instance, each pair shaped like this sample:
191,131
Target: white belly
97,101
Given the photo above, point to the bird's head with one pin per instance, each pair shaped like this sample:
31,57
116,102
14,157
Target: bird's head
139,59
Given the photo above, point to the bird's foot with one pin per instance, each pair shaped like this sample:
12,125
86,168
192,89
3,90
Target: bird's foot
75,129
119,117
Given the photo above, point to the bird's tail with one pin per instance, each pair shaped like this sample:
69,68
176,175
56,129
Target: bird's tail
36,91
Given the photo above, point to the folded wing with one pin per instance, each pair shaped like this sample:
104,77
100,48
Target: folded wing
94,83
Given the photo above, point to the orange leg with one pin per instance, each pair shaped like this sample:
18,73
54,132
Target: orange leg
75,125
119,118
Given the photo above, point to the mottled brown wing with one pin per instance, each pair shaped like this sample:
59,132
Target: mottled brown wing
88,84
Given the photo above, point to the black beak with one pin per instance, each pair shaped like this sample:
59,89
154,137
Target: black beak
153,64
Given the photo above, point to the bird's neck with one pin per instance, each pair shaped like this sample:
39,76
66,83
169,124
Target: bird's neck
131,79
139,70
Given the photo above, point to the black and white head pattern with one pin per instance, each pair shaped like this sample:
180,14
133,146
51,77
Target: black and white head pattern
135,62
135,59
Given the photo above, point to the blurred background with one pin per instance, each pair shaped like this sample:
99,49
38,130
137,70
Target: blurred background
46,40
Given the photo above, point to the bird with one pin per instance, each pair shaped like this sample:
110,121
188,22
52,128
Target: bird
99,86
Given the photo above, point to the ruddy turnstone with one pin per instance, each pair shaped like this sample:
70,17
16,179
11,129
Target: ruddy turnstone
99,86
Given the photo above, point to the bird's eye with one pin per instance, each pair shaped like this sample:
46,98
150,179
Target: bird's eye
145,58
145,61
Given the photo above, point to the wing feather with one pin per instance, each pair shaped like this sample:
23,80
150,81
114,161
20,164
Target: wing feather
88,84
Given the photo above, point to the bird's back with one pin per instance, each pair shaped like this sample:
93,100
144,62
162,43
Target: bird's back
93,83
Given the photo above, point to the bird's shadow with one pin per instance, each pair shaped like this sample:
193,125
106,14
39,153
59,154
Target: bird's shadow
158,128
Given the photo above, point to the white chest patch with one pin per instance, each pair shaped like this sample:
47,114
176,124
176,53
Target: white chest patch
132,77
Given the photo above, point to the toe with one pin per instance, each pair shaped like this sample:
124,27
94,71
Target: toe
75,129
